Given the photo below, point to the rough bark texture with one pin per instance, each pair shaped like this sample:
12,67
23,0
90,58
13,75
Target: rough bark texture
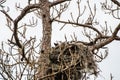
46,40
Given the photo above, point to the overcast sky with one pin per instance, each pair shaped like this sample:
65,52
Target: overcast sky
110,65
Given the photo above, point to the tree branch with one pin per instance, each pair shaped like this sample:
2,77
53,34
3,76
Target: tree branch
6,15
116,2
108,40
15,32
103,43
23,13
116,30
81,25
26,10
58,2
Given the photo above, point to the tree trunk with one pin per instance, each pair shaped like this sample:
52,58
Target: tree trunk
46,39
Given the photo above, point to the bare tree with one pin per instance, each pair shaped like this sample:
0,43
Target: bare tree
69,60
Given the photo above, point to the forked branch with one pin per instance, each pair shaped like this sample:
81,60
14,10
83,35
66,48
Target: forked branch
25,11
109,39
95,45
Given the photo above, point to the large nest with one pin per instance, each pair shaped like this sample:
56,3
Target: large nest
70,60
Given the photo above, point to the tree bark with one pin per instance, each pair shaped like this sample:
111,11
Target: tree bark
46,39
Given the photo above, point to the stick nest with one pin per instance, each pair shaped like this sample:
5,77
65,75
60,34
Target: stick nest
71,61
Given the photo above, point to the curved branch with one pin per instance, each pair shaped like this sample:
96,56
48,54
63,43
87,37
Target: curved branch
116,2
6,15
108,40
23,13
81,25
58,2
26,10
16,35
15,32
94,44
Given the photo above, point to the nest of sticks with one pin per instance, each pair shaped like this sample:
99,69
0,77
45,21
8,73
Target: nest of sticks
71,61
